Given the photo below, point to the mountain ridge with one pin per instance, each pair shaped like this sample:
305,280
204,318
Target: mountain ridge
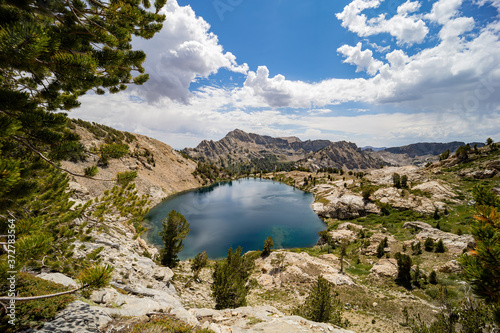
240,148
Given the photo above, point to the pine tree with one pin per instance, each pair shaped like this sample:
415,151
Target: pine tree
268,244
175,229
231,275
404,269
322,305
199,261
482,264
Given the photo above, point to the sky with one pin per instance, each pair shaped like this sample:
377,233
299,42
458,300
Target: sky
379,73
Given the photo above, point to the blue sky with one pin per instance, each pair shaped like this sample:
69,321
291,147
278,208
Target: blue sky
374,72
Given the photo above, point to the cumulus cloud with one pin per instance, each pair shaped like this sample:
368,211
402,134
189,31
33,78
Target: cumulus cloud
182,51
443,10
406,27
458,79
362,59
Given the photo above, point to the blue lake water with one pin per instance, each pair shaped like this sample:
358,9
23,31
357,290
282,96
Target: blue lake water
241,213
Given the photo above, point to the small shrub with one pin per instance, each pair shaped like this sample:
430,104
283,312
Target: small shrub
124,178
91,171
429,245
199,261
440,247
433,277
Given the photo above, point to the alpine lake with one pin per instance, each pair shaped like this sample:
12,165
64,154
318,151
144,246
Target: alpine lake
242,213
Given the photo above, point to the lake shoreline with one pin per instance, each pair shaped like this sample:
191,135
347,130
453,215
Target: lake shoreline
284,238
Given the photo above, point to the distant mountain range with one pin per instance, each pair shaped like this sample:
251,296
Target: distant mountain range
241,149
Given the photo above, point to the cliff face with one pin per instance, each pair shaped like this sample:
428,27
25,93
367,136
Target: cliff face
240,147
342,155
160,169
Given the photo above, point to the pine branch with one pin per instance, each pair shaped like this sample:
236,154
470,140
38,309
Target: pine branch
21,141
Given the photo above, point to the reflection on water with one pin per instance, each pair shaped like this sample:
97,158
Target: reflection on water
241,213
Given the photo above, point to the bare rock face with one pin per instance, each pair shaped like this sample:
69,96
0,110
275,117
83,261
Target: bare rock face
385,268
453,243
299,268
437,189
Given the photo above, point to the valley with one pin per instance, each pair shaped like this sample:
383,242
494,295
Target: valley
362,203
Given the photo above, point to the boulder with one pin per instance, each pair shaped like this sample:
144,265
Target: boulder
385,268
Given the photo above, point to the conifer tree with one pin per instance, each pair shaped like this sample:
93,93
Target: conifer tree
268,244
230,280
175,229
322,305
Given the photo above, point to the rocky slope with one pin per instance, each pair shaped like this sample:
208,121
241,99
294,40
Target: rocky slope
341,155
160,169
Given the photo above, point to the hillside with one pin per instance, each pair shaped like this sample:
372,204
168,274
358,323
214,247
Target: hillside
161,170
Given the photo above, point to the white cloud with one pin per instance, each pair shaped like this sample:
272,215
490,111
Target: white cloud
378,48
181,52
444,10
362,59
407,29
456,27
494,3
458,80
397,59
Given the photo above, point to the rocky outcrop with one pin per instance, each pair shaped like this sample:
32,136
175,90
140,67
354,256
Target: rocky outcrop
299,268
384,176
453,243
451,266
375,240
343,204
402,200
